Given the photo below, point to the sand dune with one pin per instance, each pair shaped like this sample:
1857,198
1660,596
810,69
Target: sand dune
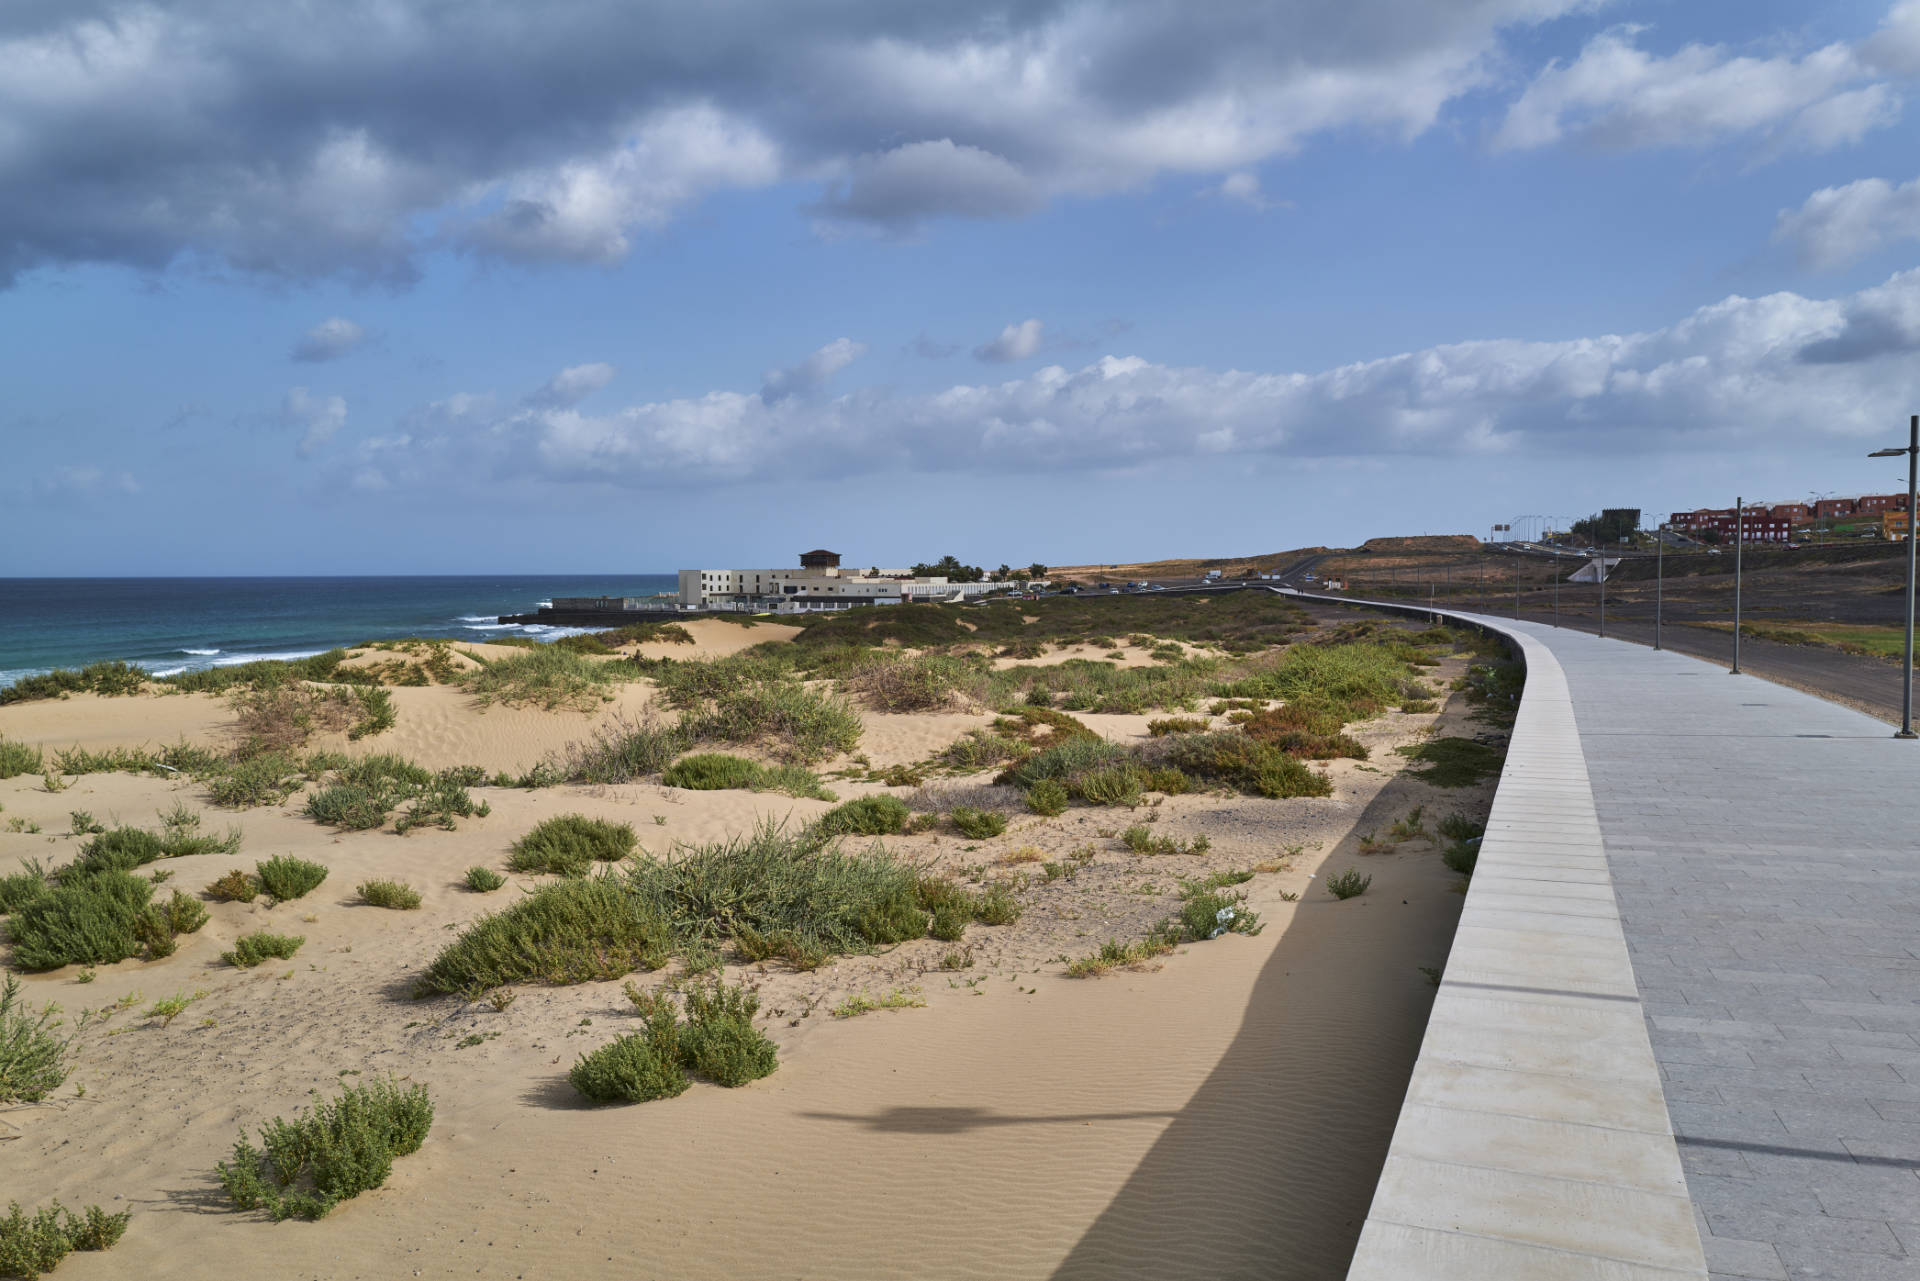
1221,1115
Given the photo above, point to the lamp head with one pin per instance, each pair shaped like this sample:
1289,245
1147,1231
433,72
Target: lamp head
1886,453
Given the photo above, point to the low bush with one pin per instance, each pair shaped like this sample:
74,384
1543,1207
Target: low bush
235,886
33,1056
1177,725
638,1067
97,920
570,844
867,816
1246,764
19,758
571,931
1114,954
1462,856
1206,913
1047,798
484,880
328,1153
1458,827
287,878
720,1041
21,888
393,894
1348,884
368,789
265,779
108,679
977,825
1116,784
922,683
30,1245
716,771
377,713
250,950
980,749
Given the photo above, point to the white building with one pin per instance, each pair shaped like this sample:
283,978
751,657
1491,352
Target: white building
819,584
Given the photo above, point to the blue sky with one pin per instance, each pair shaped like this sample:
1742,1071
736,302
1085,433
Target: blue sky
410,286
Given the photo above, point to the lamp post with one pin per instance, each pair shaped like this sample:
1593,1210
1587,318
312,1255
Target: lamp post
1600,569
1556,589
1659,577
1912,451
1739,537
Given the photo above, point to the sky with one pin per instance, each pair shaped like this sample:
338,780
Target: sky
478,286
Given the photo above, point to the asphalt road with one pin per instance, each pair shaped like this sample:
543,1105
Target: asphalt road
1870,685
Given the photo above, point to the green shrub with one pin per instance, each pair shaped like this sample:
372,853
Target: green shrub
977,825
1462,856
265,779
1048,798
1177,725
720,1041
394,894
1066,760
288,878
569,844
484,880
350,808
18,758
1117,784
571,931
1114,954
1257,768
120,850
638,1067
377,713
32,1055
980,749
251,949
1458,827
184,915
36,1244
328,1153
1348,884
234,887
921,683
108,679
23,887
867,816
95,920
1206,913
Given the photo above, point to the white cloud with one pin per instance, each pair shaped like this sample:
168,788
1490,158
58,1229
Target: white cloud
563,391
84,481
1015,342
1243,187
1616,94
331,339
1840,225
811,373
1895,47
1744,370
311,140
319,418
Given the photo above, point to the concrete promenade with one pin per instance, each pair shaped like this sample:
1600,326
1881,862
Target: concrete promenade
1766,873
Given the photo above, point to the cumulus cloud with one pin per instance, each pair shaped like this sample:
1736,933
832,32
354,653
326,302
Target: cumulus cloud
1839,225
811,373
1616,94
1895,47
1015,342
563,391
329,340
318,418
84,481
1747,370
297,141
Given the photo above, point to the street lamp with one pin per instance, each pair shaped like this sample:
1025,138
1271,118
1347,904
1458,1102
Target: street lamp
1659,577
1739,537
1912,451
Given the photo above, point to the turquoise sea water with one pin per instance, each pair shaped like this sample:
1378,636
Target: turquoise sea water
178,624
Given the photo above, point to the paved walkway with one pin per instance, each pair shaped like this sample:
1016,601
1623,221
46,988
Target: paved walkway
1764,857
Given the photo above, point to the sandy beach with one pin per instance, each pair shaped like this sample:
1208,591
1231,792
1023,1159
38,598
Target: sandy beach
1220,1111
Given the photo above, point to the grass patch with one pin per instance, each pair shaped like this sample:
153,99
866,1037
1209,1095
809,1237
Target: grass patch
570,844
547,677
1114,954
1452,762
1245,764
867,816
624,751
328,1153
368,789
108,679
19,758
250,950
571,931
977,824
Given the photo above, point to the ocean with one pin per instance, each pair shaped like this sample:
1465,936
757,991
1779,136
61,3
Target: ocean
169,625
